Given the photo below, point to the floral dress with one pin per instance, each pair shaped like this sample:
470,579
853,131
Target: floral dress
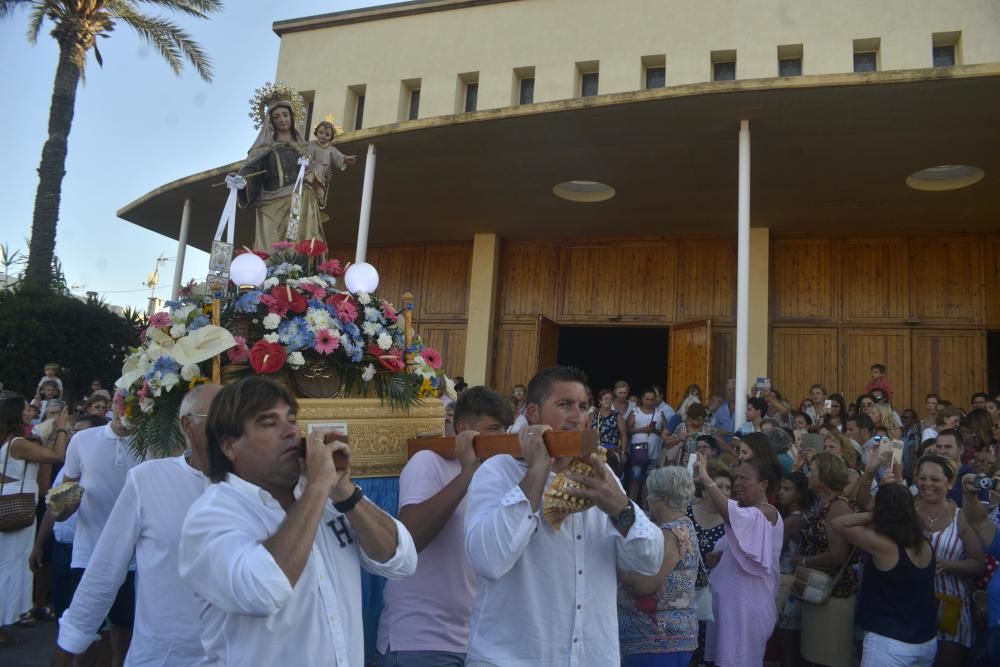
813,541
607,429
664,622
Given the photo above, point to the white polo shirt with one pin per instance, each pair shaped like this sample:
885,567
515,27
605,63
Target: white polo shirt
546,598
145,524
250,613
100,460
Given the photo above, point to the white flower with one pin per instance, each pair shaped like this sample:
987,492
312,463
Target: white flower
363,298
295,360
271,337
449,387
418,360
368,373
181,314
384,341
271,321
318,318
190,371
146,405
269,283
169,380
370,329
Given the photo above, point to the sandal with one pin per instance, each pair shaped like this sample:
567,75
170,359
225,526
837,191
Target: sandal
43,614
27,620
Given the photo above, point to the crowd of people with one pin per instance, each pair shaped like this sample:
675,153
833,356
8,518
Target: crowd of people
823,533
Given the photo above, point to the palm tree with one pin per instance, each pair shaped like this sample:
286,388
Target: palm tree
77,25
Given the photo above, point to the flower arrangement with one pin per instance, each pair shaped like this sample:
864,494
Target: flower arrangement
167,364
300,317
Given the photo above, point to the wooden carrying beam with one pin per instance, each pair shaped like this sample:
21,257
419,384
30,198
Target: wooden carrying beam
559,443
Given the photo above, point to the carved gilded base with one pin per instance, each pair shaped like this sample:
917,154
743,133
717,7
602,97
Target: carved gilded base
378,435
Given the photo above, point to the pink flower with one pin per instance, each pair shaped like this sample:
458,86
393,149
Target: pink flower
331,267
326,341
282,245
432,357
142,393
240,353
390,312
279,308
159,320
346,310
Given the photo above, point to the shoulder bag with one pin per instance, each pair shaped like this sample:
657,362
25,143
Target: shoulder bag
17,510
816,586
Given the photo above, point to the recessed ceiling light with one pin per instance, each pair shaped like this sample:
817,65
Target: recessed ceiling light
945,177
584,191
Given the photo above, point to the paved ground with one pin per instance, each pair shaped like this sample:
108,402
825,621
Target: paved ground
34,646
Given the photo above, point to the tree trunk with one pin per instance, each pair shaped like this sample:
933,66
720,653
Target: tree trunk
52,169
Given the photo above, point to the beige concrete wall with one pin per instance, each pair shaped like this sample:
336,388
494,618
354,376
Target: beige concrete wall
554,35
482,308
759,322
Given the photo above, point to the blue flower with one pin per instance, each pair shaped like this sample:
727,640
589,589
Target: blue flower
351,329
295,334
198,322
173,305
247,303
163,366
357,355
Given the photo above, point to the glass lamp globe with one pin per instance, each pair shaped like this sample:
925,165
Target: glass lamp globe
361,277
248,270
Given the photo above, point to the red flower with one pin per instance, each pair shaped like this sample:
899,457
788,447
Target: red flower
239,353
260,253
331,267
391,359
291,299
432,357
311,248
267,357
346,310
316,291
279,308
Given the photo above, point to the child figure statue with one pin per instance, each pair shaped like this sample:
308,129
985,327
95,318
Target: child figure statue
323,157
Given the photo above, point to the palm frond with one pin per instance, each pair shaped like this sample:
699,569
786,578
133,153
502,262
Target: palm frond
172,41
35,23
159,433
197,8
8,7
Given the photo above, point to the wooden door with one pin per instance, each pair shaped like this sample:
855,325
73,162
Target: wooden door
546,343
689,359
864,347
951,363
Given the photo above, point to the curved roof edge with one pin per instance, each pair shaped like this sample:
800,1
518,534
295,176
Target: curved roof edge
379,13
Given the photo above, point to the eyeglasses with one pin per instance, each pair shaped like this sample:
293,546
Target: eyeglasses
866,405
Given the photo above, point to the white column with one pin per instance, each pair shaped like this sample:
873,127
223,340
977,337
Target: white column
743,275
366,205
182,240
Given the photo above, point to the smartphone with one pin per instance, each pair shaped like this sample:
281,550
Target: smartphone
828,404
813,441
692,459
897,452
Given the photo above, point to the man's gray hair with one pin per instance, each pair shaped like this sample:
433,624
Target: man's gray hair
191,400
674,485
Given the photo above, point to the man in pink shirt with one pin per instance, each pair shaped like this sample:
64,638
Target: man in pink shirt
425,621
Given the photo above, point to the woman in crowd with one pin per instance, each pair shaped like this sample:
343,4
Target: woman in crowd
19,462
883,417
709,446
836,416
684,438
691,395
805,407
839,445
745,578
781,445
979,518
622,403
656,615
610,427
977,430
801,422
897,609
758,446
518,399
828,629
817,395
959,554
643,427
947,416
778,408
794,501
708,527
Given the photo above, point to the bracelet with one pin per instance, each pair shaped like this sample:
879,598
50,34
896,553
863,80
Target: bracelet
346,506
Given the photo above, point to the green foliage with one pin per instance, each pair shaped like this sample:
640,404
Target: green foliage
86,339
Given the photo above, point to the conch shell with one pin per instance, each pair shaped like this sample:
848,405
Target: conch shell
556,503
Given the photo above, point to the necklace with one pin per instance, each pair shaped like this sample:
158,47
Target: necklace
930,520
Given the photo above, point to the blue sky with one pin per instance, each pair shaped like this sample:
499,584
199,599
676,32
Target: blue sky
137,126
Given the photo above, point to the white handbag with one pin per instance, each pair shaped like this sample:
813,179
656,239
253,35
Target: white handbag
703,594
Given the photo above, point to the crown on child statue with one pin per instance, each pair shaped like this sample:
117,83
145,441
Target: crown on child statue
269,95
337,130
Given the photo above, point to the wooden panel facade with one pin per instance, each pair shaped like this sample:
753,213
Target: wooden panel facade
723,359
514,356
706,281
992,282
864,347
449,340
951,363
528,281
655,296
875,287
690,359
446,275
801,357
804,273
588,290
946,280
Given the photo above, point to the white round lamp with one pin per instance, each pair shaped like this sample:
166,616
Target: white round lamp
248,270
361,277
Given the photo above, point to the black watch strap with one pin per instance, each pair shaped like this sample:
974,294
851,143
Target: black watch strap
346,506
626,518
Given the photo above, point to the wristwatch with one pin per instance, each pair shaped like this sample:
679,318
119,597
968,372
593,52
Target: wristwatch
625,520
345,506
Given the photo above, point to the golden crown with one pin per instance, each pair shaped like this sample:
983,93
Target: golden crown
270,94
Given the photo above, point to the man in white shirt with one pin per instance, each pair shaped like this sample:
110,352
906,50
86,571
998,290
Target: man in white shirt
425,620
273,548
546,598
99,459
145,525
